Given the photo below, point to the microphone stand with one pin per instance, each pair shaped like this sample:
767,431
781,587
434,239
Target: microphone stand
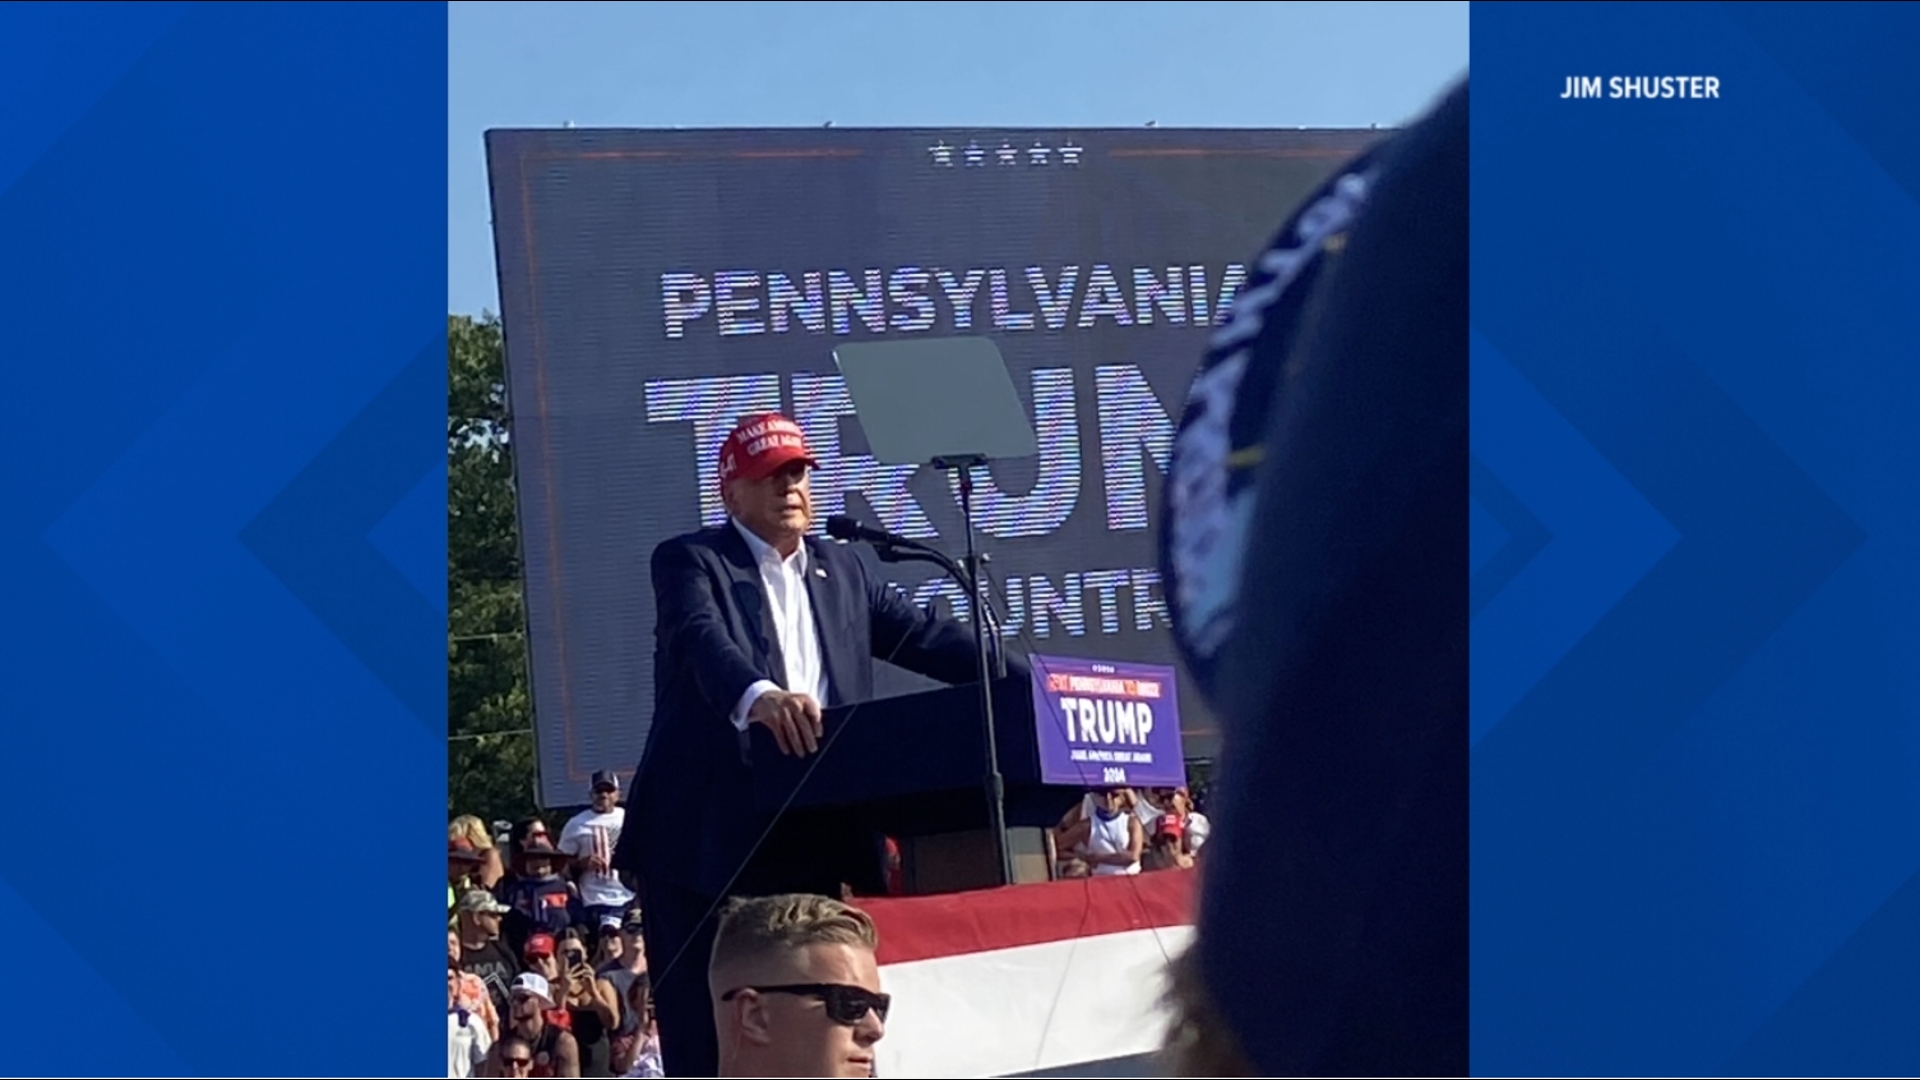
905,553
969,575
995,783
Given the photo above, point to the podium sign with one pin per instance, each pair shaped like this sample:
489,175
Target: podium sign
1103,723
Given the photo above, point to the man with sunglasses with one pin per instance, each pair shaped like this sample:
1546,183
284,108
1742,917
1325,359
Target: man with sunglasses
512,1056
554,1051
796,988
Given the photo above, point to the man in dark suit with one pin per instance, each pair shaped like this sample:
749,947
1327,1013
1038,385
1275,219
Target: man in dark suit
757,623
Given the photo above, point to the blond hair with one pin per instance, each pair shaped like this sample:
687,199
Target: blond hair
761,929
471,829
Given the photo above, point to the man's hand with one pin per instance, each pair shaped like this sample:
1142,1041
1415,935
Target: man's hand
794,719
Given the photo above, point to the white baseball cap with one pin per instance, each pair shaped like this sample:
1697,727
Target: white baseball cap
534,984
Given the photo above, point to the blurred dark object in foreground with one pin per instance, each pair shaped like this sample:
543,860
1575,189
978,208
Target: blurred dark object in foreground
1333,923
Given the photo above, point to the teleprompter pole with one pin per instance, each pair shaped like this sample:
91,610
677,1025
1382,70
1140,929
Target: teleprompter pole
995,783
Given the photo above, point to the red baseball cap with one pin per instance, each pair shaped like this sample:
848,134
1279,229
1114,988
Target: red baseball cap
1170,825
761,446
540,945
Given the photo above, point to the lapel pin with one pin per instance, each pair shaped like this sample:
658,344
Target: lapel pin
820,570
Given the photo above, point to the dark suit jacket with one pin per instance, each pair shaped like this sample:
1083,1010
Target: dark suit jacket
691,818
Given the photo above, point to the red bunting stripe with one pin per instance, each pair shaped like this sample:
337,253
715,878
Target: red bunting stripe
929,927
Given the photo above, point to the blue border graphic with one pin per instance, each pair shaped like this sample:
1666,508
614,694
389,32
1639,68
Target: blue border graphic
224,750
1696,769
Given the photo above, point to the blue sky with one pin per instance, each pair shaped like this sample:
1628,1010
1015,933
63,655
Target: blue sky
920,65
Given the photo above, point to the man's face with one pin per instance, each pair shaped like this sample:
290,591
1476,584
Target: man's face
479,925
777,508
525,1008
605,799
811,1043
539,866
516,1059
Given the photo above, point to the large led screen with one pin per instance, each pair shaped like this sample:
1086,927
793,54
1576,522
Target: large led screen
658,285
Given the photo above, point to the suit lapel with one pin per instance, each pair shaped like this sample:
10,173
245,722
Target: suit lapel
750,596
825,593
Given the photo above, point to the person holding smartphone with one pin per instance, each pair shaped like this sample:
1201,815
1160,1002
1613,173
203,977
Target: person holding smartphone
592,1004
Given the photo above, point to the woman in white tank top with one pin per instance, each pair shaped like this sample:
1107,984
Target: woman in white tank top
1115,839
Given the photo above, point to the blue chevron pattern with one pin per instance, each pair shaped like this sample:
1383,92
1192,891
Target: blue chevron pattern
224,238
1697,829
1592,535
316,536
1486,536
1504,535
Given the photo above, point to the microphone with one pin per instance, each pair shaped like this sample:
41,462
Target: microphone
842,527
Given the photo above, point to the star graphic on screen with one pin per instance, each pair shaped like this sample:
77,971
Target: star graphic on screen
942,153
1037,154
1069,154
1007,154
975,155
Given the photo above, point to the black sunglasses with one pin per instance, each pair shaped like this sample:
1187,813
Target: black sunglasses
845,1004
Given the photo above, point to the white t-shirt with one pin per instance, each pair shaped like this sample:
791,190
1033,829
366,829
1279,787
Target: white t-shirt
1198,829
1111,838
591,833
646,1064
467,1044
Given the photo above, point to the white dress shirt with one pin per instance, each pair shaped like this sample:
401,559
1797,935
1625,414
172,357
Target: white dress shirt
792,610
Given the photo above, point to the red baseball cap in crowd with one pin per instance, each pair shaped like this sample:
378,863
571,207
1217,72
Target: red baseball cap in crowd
1169,825
760,446
540,945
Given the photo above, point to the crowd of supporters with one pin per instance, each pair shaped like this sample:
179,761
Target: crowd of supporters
546,970
1121,830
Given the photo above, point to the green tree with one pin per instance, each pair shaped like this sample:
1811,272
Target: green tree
490,755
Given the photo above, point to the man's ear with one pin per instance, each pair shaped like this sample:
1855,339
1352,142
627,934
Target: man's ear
750,1014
